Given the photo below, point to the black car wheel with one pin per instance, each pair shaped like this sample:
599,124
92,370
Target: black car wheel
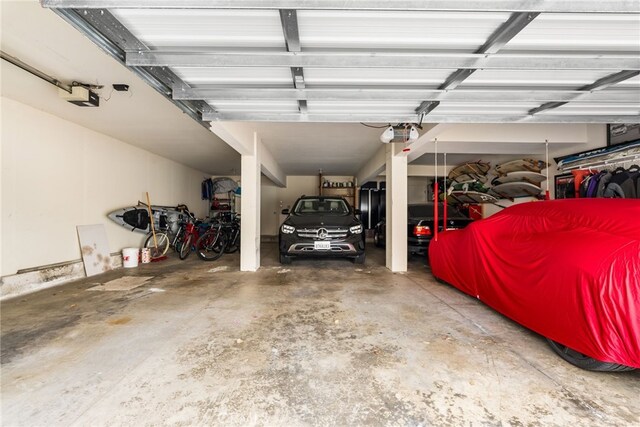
359,259
376,239
585,362
284,259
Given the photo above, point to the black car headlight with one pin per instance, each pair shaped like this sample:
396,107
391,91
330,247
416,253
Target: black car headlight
356,229
287,229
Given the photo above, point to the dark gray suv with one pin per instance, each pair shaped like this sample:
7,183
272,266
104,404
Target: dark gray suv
321,226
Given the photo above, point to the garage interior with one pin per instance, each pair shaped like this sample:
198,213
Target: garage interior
280,96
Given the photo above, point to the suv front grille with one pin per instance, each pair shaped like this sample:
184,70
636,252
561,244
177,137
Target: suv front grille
322,233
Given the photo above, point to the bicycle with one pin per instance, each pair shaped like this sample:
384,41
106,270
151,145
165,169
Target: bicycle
223,237
233,235
160,245
166,237
211,245
193,229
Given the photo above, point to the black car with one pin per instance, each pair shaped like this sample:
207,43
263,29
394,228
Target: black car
420,225
321,226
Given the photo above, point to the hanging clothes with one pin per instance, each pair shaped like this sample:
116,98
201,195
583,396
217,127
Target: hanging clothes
207,189
621,185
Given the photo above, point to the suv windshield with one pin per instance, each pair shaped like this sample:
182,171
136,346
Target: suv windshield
324,206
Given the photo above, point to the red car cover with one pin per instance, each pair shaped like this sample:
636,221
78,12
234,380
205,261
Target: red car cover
567,269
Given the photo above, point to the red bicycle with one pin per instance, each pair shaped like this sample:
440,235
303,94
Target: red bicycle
192,230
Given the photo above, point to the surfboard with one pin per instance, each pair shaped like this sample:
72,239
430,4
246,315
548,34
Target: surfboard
136,218
469,171
512,190
470,197
530,165
520,176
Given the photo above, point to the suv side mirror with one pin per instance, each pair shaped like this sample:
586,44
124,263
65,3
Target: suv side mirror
285,211
357,211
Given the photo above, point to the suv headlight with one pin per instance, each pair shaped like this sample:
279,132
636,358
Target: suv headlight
356,229
287,229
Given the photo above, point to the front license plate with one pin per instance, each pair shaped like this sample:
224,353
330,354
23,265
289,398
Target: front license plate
323,246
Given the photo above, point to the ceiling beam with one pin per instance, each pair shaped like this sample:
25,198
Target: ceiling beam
289,22
384,60
413,118
420,145
427,106
108,26
598,85
577,6
373,167
237,135
508,30
500,37
401,94
479,148
271,168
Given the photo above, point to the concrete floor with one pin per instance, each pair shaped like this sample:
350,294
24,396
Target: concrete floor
322,342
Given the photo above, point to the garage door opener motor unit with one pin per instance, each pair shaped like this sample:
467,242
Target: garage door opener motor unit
81,96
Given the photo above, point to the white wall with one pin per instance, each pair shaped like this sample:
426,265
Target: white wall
57,175
274,199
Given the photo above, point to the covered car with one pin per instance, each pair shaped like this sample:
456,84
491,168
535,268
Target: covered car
566,269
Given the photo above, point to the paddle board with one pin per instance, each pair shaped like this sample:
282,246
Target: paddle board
520,176
512,190
530,165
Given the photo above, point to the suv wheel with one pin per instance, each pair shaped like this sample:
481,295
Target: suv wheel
359,259
284,259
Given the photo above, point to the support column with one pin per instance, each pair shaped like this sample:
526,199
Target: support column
250,208
396,210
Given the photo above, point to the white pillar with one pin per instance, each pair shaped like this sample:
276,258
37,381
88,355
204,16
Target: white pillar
250,208
396,210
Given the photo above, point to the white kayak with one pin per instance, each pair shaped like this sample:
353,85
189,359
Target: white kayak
136,218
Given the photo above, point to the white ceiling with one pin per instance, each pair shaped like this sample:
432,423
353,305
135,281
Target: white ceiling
146,119
141,117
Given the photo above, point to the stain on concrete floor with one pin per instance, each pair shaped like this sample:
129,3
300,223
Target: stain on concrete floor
325,343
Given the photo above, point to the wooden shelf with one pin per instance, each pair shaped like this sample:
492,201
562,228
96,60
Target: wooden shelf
348,193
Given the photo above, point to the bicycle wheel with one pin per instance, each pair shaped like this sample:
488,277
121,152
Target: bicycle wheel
233,245
185,247
162,247
210,246
176,240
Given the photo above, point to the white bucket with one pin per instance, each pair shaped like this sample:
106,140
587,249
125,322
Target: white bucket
145,255
130,257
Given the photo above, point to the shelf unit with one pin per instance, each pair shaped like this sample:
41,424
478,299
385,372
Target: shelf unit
227,200
600,158
349,193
